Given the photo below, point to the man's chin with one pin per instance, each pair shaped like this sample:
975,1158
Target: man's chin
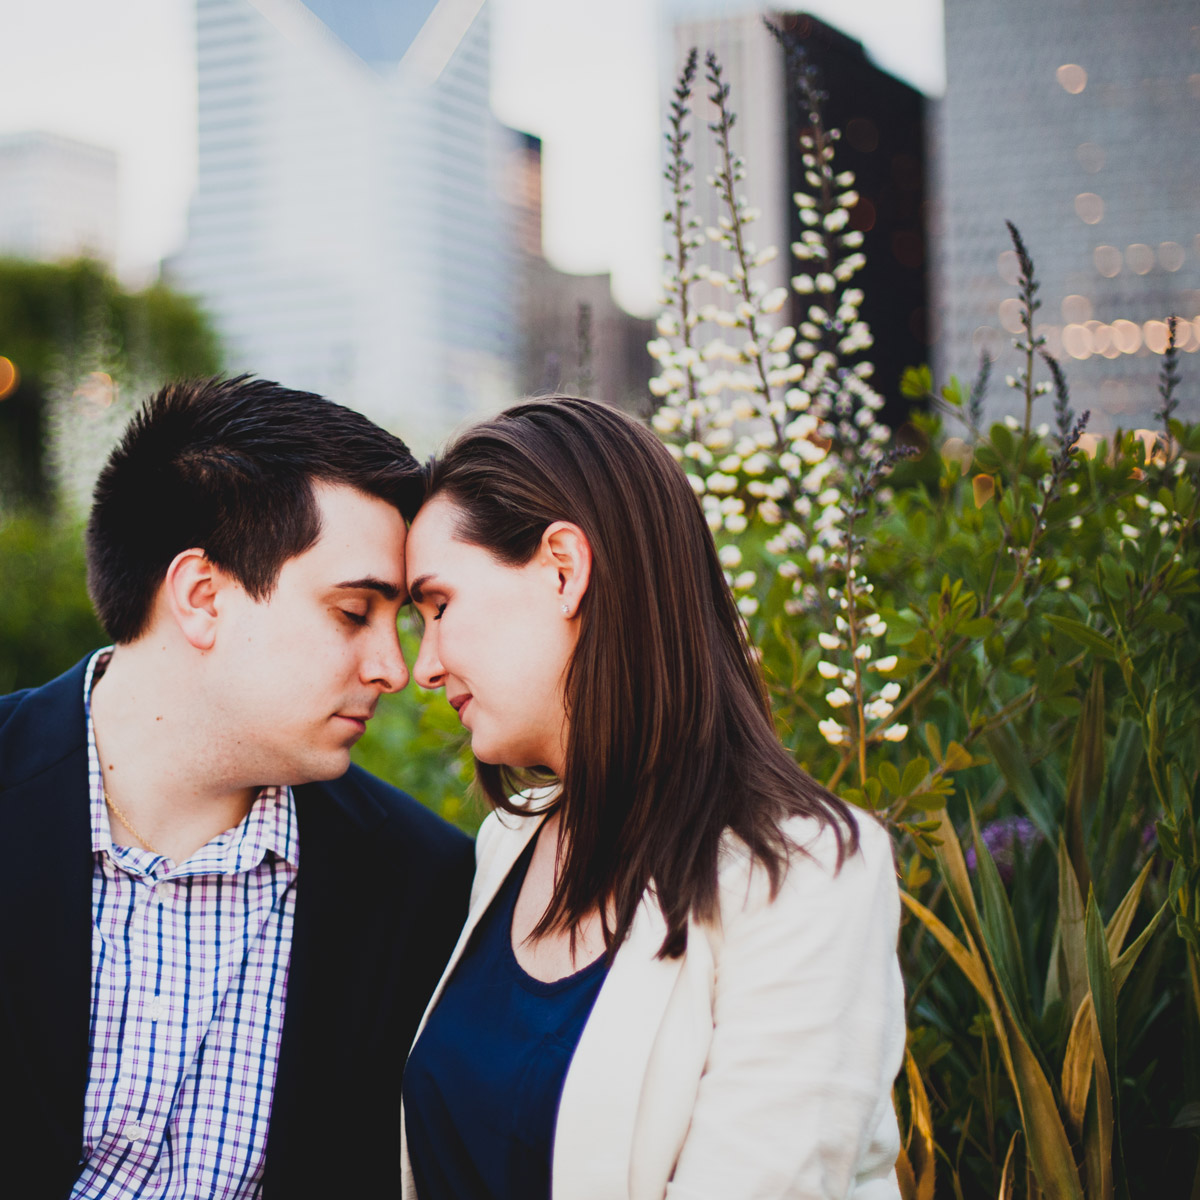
320,768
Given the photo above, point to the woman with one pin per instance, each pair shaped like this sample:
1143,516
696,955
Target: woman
678,977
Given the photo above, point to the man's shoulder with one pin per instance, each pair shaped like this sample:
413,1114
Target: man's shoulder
40,725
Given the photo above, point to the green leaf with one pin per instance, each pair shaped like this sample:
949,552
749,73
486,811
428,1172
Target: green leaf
958,758
1084,635
916,382
1071,919
1125,962
1013,760
1085,775
914,775
890,778
1002,439
933,740
1000,934
1119,923
1165,622
980,627
902,627
1104,1006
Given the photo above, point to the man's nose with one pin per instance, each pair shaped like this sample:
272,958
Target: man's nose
387,668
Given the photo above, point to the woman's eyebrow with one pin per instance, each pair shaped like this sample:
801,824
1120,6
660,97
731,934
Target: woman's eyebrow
416,585
389,591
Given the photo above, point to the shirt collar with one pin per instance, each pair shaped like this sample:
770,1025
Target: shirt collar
269,826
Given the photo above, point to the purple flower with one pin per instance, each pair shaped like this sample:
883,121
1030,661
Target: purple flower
1001,837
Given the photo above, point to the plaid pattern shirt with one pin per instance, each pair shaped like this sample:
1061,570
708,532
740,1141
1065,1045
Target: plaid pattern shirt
189,972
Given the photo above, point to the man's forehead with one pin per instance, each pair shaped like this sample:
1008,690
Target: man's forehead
360,545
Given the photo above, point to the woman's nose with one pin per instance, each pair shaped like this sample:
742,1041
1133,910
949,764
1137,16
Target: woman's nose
428,670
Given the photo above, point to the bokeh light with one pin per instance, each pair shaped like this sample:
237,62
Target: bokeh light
1072,77
1090,208
9,377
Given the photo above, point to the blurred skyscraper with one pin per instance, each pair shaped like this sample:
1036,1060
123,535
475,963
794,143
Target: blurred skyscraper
882,122
58,198
347,231
575,338
1080,122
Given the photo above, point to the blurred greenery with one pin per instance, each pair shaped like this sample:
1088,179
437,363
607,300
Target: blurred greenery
46,619
59,322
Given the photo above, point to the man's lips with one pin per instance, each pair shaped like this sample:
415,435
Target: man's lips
358,720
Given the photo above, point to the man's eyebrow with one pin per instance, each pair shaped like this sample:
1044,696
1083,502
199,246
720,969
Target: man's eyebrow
389,591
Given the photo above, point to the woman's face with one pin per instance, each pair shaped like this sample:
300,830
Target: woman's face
495,637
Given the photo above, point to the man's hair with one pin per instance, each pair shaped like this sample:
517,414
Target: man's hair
227,466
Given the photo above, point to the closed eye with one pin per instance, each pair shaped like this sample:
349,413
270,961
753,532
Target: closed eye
353,617
441,608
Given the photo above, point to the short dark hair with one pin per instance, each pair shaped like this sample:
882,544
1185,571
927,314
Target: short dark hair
227,466
671,741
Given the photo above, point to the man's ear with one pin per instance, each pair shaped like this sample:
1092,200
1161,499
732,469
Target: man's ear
566,549
190,591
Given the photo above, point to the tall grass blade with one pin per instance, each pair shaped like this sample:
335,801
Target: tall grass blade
1071,928
1000,935
1104,1026
1085,774
1013,761
922,1155
1008,1175
1120,921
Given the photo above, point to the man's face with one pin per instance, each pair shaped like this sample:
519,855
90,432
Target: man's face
297,676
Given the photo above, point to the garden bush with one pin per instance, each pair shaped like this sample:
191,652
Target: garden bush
989,641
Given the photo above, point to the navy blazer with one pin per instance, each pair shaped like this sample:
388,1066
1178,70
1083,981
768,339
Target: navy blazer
381,895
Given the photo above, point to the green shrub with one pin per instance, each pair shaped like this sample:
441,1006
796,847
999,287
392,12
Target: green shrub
989,640
46,619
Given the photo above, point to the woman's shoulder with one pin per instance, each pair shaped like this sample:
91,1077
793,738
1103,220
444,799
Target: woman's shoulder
827,866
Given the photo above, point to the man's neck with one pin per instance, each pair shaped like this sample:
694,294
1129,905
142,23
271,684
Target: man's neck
157,758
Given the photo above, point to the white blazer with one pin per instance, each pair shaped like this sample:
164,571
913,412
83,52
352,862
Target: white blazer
759,1066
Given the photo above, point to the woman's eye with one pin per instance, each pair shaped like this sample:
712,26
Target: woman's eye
437,616
354,618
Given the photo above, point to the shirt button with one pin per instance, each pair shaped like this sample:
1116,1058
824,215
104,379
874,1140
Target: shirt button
136,1133
156,1009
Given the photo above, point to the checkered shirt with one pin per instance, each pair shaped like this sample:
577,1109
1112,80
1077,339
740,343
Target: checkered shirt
189,972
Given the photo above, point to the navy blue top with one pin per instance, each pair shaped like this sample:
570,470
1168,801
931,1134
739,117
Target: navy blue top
482,1084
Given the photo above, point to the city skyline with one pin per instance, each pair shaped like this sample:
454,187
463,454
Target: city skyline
125,78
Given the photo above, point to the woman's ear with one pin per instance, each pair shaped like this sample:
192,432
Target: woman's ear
566,549
190,592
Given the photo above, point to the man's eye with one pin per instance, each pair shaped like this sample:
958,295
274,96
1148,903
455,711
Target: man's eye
354,618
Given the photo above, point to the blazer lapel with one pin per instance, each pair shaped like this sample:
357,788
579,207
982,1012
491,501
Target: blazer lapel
331,947
46,899
604,1081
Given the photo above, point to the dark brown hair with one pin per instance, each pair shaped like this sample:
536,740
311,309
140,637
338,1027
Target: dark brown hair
670,739
227,465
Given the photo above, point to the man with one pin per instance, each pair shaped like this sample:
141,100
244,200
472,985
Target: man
217,936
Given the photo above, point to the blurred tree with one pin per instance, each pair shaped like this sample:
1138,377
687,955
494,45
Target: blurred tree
52,317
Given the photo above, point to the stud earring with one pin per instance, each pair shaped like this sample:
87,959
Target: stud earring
566,610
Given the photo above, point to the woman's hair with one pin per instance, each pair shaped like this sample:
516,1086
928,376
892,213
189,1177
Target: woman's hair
670,739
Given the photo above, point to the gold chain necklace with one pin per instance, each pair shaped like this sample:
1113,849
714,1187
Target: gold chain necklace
116,812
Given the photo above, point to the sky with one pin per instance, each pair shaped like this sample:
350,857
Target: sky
589,79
